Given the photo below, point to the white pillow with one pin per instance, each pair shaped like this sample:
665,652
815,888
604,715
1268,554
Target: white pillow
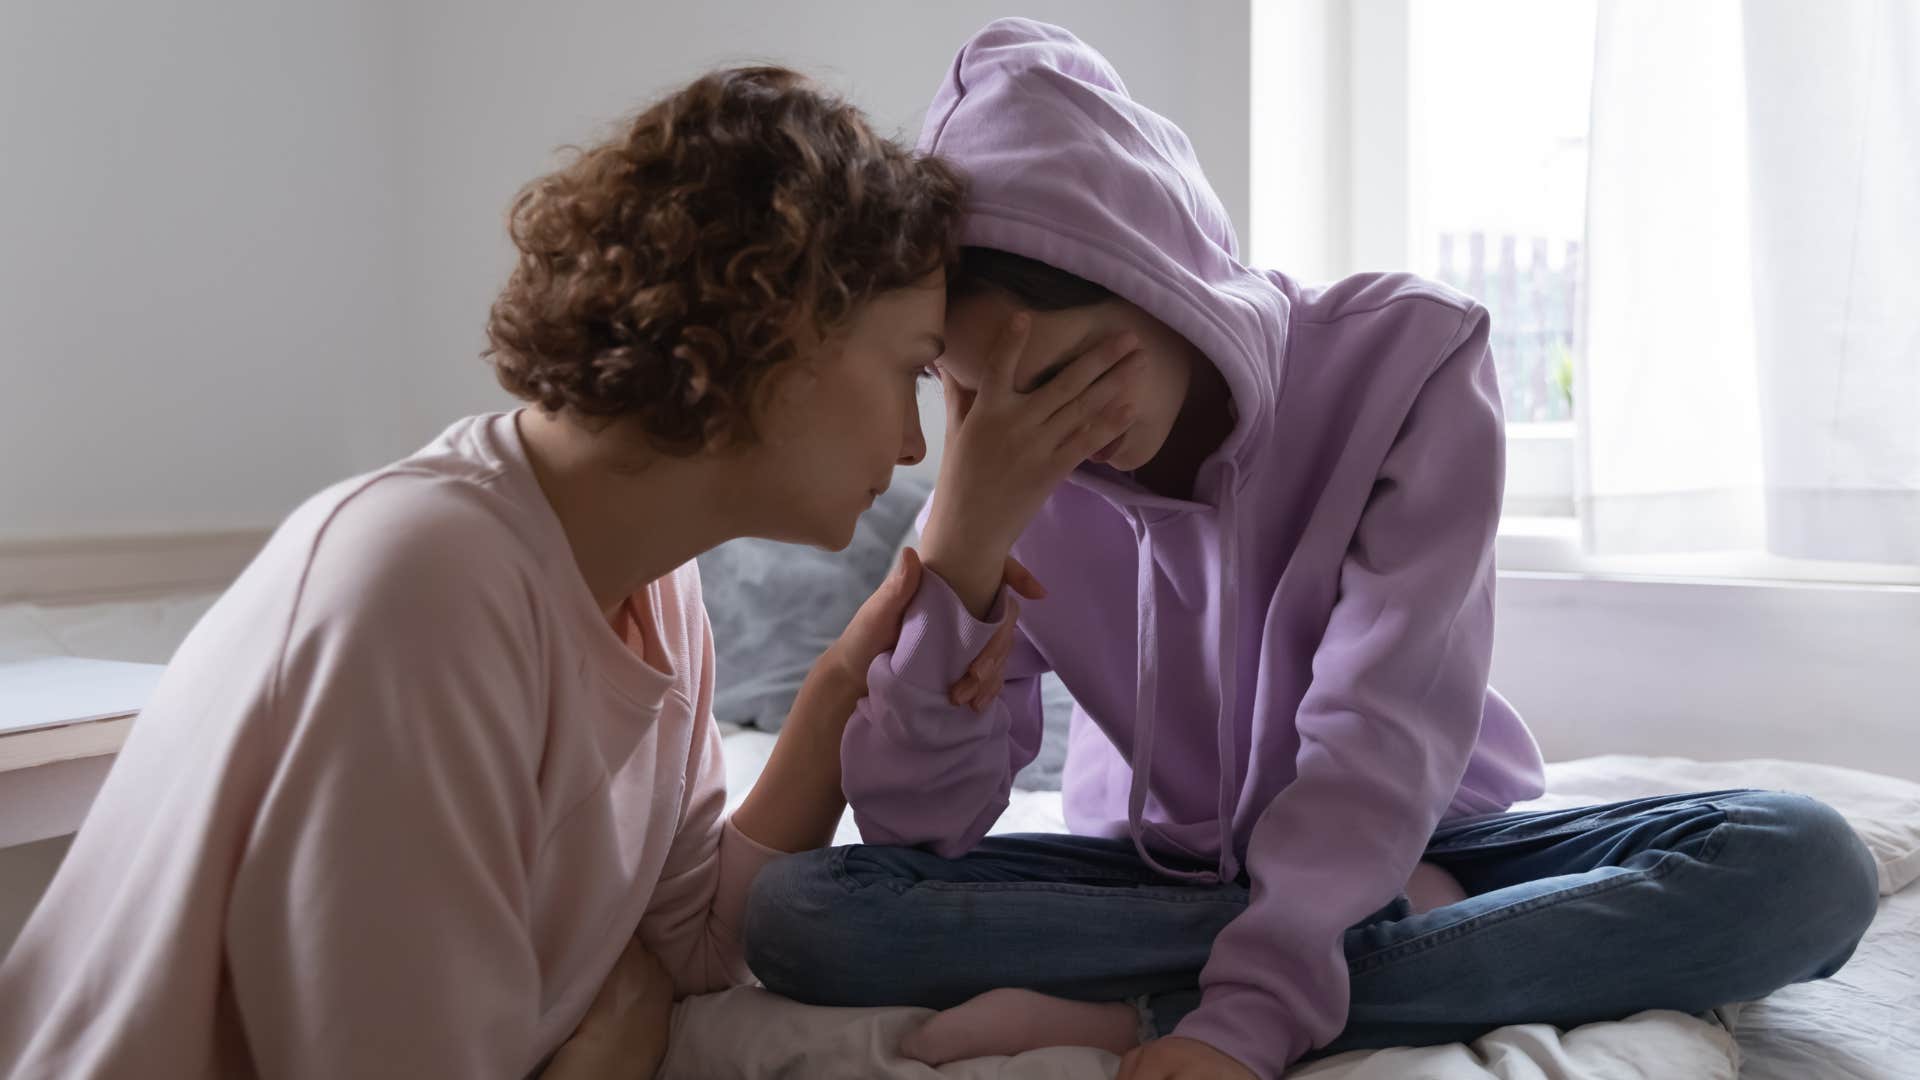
1883,810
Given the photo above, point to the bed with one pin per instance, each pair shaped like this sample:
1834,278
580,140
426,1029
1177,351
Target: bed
775,608
1864,1024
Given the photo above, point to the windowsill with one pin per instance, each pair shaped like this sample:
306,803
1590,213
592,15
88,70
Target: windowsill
1543,544
1540,470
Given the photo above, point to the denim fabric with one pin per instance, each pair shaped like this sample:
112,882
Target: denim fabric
1678,902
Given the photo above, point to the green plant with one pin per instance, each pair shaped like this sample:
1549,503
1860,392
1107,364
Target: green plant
1562,374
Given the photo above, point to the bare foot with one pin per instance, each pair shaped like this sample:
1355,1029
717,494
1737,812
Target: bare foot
1432,887
1007,1022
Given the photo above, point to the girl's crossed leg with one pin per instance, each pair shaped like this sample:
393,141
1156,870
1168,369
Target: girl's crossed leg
1680,902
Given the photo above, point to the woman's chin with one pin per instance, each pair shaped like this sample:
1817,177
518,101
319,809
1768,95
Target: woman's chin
838,534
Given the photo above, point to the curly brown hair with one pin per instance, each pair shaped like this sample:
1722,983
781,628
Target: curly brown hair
664,273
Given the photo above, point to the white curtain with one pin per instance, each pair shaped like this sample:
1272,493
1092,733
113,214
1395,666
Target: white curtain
1751,363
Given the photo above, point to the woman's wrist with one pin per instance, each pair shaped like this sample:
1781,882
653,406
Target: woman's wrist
836,677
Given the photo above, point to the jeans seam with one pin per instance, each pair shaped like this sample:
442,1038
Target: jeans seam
837,866
1669,862
1580,825
1468,927
1486,845
1172,894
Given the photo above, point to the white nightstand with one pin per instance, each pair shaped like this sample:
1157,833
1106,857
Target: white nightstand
62,720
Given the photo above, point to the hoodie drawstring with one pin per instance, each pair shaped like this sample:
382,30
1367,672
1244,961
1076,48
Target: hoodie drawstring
1146,676
1226,726
1146,693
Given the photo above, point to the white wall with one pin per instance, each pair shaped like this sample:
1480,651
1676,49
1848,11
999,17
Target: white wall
1713,670
248,249
195,278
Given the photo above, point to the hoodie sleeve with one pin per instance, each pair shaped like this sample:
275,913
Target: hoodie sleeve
919,770
1386,727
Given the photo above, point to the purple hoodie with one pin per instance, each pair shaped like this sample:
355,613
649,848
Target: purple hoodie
1286,675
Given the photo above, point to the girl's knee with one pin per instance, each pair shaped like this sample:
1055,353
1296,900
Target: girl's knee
1823,880
788,910
815,930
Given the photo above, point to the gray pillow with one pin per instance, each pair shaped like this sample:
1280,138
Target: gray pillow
1043,773
776,607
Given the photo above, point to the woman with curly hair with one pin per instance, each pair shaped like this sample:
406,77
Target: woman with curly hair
437,777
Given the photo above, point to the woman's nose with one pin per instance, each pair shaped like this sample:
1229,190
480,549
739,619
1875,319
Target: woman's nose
913,448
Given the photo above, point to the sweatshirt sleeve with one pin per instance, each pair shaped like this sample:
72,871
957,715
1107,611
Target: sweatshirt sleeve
693,921
919,770
377,923
1386,727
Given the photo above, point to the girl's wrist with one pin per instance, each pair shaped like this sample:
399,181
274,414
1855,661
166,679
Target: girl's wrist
974,579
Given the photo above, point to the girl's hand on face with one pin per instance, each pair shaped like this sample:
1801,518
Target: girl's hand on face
1006,451
1175,1058
875,629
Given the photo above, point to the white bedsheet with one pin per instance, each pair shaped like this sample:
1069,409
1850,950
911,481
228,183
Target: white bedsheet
1864,1024
749,1034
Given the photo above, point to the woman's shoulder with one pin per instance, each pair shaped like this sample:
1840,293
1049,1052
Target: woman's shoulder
408,545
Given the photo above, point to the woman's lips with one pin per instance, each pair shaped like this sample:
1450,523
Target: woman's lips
1106,451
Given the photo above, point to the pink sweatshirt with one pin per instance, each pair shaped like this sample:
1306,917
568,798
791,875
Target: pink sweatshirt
399,802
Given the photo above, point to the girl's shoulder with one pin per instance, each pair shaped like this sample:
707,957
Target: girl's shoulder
1383,295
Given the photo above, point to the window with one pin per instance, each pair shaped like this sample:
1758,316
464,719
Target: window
1448,137
1498,93
1453,138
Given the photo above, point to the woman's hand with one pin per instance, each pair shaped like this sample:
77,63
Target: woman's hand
875,628
623,1036
1006,451
797,801
1175,1058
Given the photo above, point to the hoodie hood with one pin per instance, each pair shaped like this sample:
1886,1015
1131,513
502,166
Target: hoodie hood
1065,167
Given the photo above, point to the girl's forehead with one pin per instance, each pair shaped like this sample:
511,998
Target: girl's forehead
974,325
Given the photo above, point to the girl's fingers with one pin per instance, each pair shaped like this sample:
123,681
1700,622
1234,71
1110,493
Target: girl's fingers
1001,643
1004,357
987,664
1086,370
907,573
959,402
966,690
1022,581
1088,405
994,653
988,694
1094,434
962,692
982,682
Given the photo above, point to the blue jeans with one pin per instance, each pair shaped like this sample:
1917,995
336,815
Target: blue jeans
1681,902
